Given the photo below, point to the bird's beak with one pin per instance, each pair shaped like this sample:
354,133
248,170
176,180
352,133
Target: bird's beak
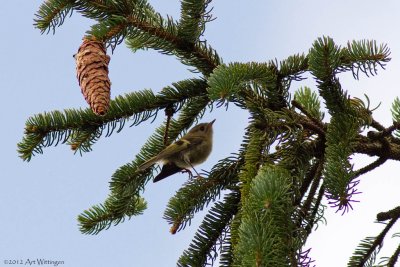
210,124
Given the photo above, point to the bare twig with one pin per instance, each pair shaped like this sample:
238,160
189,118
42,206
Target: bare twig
370,167
394,257
391,214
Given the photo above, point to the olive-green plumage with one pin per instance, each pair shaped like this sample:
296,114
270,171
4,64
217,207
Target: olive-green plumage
192,149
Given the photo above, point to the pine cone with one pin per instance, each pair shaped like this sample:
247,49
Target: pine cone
92,73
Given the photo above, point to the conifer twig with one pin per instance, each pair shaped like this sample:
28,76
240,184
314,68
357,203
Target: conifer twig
377,242
297,105
169,112
316,207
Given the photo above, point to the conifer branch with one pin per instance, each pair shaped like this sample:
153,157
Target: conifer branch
313,110
196,194
82,141
226,251
211,229
306,205
314,173
317,212
227,80
138,23
56,127
384,132
165,39
252,161
292,67
324,60
194,16
266,228
127,183
52,13
364,56
368,248
101,217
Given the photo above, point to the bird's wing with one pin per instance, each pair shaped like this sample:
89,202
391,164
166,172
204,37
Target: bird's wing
179,146
174,148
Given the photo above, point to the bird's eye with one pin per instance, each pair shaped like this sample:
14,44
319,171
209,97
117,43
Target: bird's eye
202,128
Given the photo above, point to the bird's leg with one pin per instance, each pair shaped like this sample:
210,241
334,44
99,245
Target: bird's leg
187,161
198,175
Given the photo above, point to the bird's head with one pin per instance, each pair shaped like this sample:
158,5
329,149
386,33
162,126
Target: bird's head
203,129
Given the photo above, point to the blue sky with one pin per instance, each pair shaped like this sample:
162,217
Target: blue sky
40,200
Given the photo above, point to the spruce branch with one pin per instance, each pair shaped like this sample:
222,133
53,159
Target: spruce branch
164,38
304,258
365,56
365,145
101,217
313,173
169,112
307,102
292,67
266,228
52,13
196,194
252,160
369,247
227,80
194,16
203,247
396,114
341,135
47,129
253,143
83,140
226,252
317,213
138,23
127,183
306,205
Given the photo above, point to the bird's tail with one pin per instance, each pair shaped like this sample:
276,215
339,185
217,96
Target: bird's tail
148,163
167,170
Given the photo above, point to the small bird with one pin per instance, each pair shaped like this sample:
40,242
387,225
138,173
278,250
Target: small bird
192,149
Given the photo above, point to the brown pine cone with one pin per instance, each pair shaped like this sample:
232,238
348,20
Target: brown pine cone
92,73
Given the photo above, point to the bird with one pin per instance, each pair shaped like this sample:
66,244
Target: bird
190,150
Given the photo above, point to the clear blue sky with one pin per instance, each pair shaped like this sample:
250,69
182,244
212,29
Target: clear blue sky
40,200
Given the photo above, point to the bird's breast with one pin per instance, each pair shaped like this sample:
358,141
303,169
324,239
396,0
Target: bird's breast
199,153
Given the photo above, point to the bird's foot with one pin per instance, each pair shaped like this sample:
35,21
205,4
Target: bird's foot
188,172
